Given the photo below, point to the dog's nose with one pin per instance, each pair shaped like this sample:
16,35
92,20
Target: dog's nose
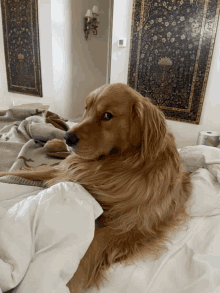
71,138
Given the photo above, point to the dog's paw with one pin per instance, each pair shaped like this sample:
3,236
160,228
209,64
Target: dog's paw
55,145
56,148
3,174
60,155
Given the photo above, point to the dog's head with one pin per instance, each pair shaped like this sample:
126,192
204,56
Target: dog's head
116,119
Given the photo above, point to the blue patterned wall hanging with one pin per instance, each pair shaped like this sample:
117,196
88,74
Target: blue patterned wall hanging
22,49
171,50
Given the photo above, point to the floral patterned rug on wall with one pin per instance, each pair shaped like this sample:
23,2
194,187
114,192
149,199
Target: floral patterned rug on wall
171,50
22,49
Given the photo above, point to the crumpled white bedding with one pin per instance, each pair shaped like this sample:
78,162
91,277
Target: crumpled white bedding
44,236
191,264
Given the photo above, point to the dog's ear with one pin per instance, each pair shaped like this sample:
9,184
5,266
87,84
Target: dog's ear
149,127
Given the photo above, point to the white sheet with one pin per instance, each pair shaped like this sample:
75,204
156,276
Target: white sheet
192,262
43,237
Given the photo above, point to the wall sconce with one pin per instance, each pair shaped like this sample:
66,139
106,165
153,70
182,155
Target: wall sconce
90,21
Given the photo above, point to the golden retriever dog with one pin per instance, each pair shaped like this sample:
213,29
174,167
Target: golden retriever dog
124,155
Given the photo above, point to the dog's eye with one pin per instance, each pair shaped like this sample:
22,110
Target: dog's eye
107,116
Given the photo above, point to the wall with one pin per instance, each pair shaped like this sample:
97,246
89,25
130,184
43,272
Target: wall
71,66
185,133
79,66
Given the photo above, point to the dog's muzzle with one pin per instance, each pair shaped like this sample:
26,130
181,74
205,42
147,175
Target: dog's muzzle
71,138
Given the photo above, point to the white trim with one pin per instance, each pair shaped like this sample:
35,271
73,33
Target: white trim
109,53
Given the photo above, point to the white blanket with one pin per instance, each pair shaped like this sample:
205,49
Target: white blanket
192,262
43,237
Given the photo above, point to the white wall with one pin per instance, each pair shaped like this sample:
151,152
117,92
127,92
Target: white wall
79,66
71,66
185,133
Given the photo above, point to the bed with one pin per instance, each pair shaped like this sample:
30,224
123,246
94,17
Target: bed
38,255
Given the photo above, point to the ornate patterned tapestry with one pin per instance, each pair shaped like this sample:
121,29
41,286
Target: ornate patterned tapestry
171,50
22,50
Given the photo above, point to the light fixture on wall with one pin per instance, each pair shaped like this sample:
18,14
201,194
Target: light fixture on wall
90,21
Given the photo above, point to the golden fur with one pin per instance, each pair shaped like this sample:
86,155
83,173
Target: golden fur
130,164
